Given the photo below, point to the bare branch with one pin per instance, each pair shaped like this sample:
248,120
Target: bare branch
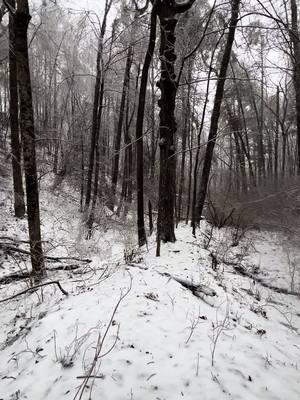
36,287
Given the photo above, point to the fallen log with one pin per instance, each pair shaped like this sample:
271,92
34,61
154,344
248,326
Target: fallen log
197,290
239,269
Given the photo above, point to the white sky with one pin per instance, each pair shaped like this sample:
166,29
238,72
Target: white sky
95,5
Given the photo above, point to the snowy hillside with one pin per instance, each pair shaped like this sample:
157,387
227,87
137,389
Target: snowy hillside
232,339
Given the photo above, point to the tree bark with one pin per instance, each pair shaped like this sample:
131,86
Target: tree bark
139,130
117,146
22,18
19,204
186,118
276,136
167,84
95,125
167,129
216,109
295,38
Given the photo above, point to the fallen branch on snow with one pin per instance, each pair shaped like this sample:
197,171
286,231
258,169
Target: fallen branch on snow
19,276
8,247
36,287
239,269
197,290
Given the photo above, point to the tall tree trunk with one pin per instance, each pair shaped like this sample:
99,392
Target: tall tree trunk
167,128
260,139
199,134
22,18
276,136
95,127
283,161
55,120
117,146
139,130
167,84
186,118
216,109
295,38
153,146
91,216
234,125
19,205
190,140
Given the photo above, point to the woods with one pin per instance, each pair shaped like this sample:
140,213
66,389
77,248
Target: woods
149,199
202,118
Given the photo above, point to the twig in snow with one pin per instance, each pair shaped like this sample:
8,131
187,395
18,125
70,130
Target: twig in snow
217,329
98,351
194,323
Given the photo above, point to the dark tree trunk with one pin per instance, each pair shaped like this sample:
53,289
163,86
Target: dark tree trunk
283,161
117,146
260,136
276,136
295,38
216,109
139,130
126,195
153,125
19,205
22,18
91,216
150,217
81,169
95,125
243,125
190,139
186,112
195,219
234,125
94,134
167,85
55,125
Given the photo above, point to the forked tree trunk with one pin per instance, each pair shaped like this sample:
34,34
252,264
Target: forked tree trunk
22,18
19,205
213,131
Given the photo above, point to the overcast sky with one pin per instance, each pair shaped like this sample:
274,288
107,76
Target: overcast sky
95,5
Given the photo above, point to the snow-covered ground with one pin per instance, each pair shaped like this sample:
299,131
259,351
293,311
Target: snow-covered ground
161,341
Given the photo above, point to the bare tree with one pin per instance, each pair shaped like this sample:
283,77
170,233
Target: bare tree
139,128
295,39
96,106
212,137
19,204
22,18
167,84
